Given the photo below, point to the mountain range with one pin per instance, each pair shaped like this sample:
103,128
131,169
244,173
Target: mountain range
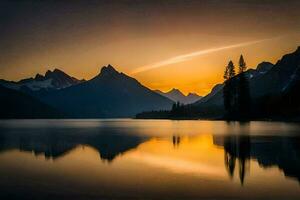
215,97
177,96
109,94
274,94
55,79
273,88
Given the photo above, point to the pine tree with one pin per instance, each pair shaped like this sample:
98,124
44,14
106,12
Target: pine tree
243,91
231,70
229,90
242,65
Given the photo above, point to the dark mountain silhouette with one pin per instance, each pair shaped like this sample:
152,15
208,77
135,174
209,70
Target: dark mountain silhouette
177,96
109,94
193,97
273,93
271,88
56,142
15,104
264,67
215,97
52,80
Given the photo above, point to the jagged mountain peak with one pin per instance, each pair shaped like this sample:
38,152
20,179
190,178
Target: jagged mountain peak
264,66
192,94
56,79
48,72
56,71
39,77
109,94
176,91
108,70
177,96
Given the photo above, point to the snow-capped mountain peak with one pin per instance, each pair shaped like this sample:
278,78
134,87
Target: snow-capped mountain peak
55,79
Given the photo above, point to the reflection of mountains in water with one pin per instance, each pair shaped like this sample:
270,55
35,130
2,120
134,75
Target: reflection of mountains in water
280,151
54,142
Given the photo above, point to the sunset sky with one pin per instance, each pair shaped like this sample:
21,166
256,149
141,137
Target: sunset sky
182,44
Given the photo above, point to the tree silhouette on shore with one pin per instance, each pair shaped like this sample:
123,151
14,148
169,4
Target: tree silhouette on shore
229,90
236,91
243,90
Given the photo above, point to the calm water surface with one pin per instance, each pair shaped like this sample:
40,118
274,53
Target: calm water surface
148,159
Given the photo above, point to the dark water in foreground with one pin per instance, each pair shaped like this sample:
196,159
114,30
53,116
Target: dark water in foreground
148,159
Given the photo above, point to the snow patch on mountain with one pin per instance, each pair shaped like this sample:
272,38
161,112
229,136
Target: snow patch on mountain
55,79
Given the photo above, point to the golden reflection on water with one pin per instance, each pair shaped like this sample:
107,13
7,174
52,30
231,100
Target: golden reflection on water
194,155
164,167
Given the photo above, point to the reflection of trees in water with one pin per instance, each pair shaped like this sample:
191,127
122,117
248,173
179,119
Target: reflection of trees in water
230,163
176,141
237,149
280,151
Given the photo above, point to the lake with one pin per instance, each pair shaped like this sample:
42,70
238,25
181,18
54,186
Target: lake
148,159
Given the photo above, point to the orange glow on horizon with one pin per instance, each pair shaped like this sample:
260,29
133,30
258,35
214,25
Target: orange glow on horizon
184,45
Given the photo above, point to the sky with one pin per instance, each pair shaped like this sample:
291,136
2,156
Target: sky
182,44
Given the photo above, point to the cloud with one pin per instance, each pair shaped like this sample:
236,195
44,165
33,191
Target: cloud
190,56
